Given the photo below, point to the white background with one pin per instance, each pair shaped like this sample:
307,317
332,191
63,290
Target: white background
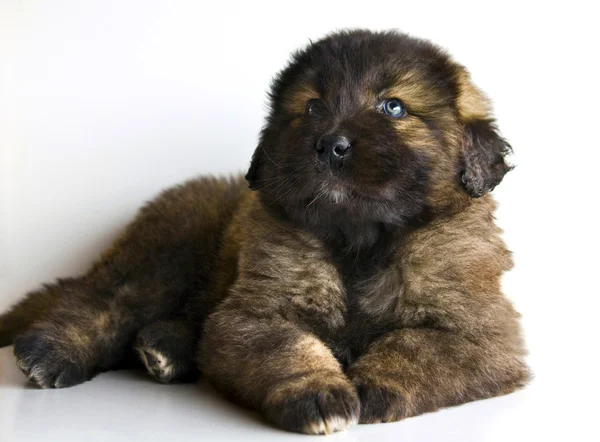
104,103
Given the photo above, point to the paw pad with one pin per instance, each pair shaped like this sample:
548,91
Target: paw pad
157,364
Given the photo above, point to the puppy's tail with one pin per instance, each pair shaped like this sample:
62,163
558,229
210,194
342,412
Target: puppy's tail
25,312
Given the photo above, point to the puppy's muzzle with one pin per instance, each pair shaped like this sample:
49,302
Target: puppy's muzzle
332,149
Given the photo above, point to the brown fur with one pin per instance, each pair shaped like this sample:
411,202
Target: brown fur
318,301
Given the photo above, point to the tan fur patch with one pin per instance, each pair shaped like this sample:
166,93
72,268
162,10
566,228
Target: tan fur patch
297,99
416,94
472,103
315,355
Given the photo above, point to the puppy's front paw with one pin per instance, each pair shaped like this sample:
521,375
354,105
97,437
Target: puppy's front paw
47,361
320,408
380,404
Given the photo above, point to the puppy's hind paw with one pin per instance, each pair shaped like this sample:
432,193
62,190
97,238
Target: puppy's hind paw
47,361
166,360
158,365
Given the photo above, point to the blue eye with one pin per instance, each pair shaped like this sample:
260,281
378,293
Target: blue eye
394,108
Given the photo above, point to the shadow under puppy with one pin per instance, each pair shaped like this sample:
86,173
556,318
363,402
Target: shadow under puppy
358,282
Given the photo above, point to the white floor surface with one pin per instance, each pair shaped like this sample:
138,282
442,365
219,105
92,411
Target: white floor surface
129,406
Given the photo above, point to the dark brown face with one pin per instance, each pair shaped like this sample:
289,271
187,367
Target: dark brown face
377,127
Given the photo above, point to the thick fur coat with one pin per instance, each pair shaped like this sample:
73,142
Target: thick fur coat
357,280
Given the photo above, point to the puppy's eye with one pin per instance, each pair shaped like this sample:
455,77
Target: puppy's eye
394,108
313,106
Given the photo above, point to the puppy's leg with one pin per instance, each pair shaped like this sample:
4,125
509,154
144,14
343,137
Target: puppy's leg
85,333
412,371
267,362
34,306
167,349
165,256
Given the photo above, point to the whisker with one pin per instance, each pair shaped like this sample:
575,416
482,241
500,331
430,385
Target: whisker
265,152
319,194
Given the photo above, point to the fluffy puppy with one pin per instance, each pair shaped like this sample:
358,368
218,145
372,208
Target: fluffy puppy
358,281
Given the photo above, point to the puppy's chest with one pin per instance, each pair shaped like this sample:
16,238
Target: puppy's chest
336,296
373,302
376,294
373,297
347,300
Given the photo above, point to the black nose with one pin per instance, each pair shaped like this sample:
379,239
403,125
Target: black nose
332,148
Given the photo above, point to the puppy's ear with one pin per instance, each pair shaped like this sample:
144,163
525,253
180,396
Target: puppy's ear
484,150
252,176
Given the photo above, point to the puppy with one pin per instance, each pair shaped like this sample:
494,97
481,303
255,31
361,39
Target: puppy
358,280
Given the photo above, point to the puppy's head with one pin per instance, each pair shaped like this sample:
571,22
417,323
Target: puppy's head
378,126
